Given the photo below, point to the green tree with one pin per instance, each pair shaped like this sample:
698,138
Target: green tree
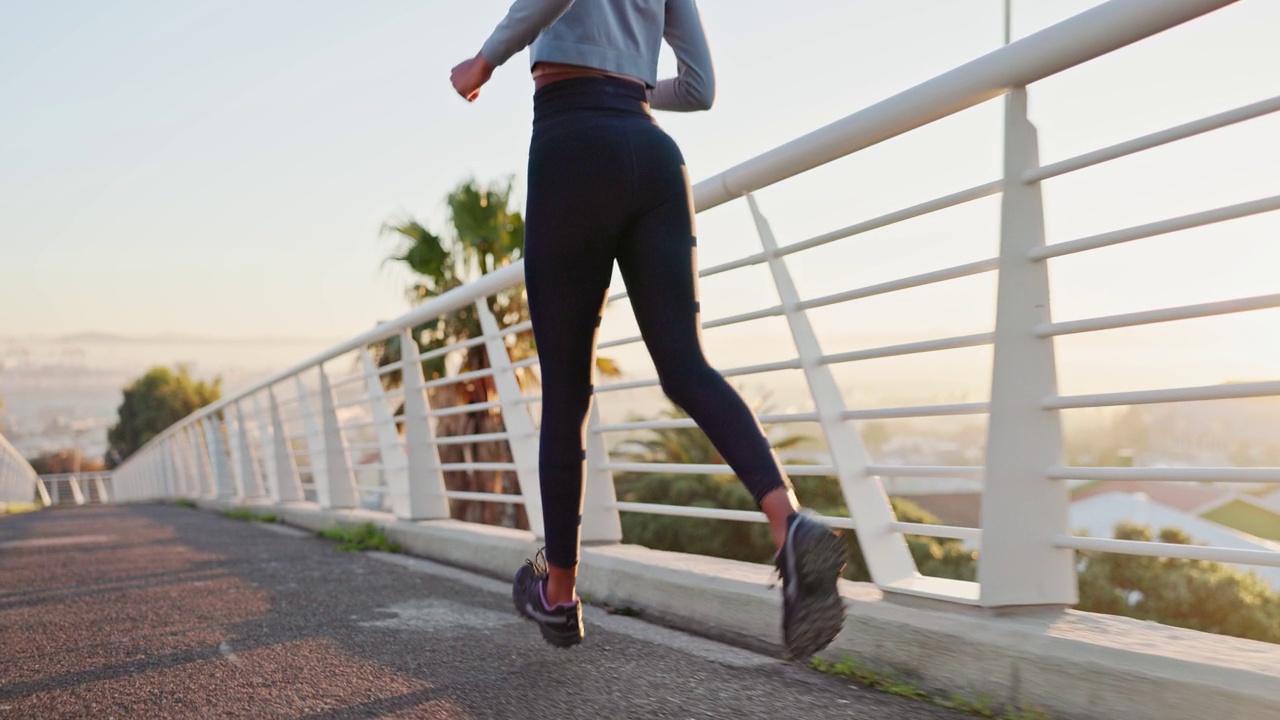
1195,594
152,403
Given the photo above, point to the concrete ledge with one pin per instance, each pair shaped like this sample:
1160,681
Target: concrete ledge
1075,665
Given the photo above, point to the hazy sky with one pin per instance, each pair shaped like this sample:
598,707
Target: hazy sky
223,168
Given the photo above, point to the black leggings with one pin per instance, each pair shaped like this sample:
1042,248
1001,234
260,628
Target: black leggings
605,184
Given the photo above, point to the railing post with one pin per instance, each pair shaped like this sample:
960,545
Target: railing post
267,450
182,457
395,464
200,460
250,477
73,482
224,485
175,484
601,522
315,444
44,492
288,486
523,438
102,490
885,550
426,492
1022,510
337,489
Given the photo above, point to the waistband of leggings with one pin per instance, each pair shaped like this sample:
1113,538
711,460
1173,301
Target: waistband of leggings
589,93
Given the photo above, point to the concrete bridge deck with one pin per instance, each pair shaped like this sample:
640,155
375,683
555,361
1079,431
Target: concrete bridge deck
163,612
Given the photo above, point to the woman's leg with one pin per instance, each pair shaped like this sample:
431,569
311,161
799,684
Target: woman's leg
658,260
570,235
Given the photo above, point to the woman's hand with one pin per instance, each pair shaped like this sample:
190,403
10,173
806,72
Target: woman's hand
469,75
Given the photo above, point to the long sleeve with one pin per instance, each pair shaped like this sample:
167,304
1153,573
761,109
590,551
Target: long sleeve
524,22
694,87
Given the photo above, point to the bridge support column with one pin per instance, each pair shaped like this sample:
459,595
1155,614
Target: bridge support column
425,497
1022,510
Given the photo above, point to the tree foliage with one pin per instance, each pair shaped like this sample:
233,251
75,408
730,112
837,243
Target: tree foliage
750,542
1195,594
58,462
152,403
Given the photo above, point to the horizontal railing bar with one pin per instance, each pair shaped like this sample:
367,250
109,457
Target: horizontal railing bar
373,466
516,329
442,351
1267,558
730,372
1149,317
760,314
917,411
957,198
619,342
924,346
379,489
478,466
707,469
1143,397
464,409
1165,474
390,367
715,513
970,535
527,362
928,471
1155,139
1162,227
749,260
929,278
485,497
468,439
689,423
459,378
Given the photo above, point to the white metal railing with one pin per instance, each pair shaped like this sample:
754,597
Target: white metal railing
84,488
17,477
248,446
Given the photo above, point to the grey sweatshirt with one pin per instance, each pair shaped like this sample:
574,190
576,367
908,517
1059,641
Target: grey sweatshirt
616,36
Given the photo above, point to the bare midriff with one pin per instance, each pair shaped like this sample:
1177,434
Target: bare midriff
545,73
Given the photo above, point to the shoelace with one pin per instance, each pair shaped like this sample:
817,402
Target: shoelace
538,563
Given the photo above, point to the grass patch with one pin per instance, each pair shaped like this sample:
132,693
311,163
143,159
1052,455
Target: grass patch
358,539
250,515
186,503
15,508
982,706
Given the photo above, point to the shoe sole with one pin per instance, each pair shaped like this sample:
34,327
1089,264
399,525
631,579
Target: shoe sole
817,616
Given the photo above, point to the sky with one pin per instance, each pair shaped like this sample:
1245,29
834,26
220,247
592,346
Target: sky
223,170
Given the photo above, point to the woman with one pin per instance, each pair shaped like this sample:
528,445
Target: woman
605,185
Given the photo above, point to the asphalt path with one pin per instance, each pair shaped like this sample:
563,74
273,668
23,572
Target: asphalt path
164,612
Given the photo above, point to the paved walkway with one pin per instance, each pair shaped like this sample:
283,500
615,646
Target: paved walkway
164,612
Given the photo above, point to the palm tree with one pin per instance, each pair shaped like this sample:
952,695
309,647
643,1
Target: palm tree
487,234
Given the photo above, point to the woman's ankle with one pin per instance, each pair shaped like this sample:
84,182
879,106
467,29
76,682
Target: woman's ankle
560,588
